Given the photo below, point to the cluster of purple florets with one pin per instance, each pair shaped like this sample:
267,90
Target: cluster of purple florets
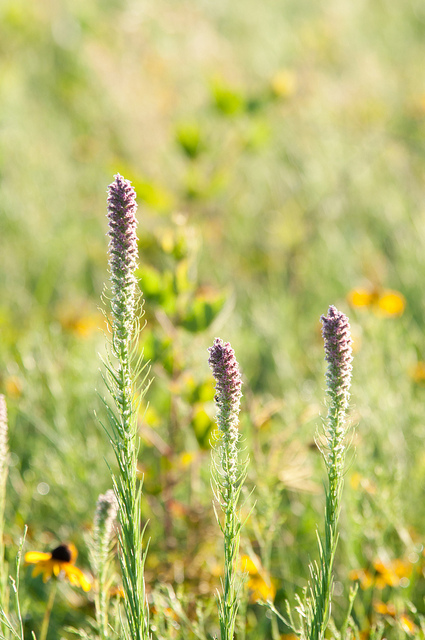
123,252
226,372
338,354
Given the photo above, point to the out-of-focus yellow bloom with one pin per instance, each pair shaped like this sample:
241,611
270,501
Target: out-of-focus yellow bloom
357,481
361,298
407,624
186,459
60,560
260,585
417,372
384,608
216,569
13,387
391,573
248,565
384,302
364,577
388,608
283,84
260,589
79,319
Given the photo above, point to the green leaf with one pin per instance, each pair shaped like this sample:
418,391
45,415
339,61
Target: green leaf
201,313
203,427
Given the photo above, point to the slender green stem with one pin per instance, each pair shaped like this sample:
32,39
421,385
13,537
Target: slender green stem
121,380
336,333
228,476
48,611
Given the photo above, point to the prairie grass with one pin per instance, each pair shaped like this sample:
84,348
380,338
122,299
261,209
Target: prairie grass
278,157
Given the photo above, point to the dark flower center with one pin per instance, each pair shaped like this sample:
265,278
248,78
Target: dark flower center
62,553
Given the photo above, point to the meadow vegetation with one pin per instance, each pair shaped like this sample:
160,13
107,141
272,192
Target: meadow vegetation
278,154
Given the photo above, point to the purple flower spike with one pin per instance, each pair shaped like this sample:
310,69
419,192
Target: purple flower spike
228,395
228,388
338,354
122,247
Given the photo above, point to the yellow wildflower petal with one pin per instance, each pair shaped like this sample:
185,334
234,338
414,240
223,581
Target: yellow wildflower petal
361,298
417,372
380,582
39,568
283,83
407,624
391,303
73,551
33,557
260,589
355,482
76,577
47,570
13,386
401,568
363,576
384,608
57,568
248,565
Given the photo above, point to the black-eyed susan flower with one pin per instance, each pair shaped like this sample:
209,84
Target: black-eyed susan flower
383,302
60,560
393,573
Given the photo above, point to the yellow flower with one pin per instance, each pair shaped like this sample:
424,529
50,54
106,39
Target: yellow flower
61,559
13,387
259,584
283,84
391,573
407,624
357,482
417,372
384,302
384,608
260,589
248,565
363,576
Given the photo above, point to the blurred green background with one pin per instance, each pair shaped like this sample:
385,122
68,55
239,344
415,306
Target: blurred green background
278,154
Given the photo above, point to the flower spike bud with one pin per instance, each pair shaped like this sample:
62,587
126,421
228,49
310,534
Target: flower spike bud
122,371
228,474
338,354
103,526
123,252
228,395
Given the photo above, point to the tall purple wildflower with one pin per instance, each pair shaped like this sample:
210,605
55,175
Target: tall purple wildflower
228,475
122,373
123,252
338,354
228,395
